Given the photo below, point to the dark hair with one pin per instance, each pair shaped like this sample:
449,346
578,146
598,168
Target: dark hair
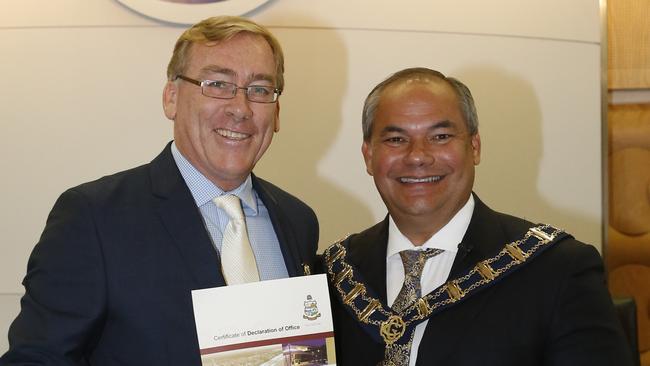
465,99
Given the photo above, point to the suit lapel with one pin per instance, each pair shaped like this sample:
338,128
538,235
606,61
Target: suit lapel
367,252
183,221
483,238
286,237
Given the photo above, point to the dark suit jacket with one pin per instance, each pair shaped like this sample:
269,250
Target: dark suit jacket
553,311
109,281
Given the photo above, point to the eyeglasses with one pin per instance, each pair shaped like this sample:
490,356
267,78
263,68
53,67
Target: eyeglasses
224,90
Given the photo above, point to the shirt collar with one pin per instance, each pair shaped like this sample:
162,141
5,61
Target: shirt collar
203,190
446,238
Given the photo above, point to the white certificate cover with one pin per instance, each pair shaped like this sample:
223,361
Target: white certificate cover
271,323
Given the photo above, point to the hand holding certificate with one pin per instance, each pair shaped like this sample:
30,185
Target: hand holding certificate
272,323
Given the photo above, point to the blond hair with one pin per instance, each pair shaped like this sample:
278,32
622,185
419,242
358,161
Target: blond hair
222,28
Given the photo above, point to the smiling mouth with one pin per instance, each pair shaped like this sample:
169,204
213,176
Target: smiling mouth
232,135
410,180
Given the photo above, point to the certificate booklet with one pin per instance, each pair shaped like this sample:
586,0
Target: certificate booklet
283,322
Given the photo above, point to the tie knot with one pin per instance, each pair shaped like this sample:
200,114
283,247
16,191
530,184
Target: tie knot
414,260
231,204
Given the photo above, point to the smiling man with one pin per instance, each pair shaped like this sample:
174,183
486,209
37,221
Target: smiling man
110,281
445,280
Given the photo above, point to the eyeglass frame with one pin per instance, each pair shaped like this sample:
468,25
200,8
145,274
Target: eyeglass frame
204,83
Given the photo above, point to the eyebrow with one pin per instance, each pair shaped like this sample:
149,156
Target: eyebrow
440,124
390,128
215,69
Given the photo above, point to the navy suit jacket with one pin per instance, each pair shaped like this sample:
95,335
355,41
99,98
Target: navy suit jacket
553,311
109,281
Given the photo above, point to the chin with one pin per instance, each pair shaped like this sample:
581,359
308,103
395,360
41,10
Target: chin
417,208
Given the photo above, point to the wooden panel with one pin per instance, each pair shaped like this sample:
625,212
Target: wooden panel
629,128
628,249
628,34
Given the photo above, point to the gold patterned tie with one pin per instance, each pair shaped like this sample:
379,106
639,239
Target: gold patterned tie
237,259
413,261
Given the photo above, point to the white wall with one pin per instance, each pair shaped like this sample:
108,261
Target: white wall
82,85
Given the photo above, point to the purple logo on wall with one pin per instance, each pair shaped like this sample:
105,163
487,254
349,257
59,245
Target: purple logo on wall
193,1
190,11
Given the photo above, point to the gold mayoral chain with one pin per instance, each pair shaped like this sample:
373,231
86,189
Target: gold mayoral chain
393,329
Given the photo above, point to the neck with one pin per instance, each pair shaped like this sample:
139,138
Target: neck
416,229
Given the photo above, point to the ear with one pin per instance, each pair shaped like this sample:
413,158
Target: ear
476,148
170,97
366,150
276,126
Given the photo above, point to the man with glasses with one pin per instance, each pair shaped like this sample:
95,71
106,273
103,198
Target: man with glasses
109,281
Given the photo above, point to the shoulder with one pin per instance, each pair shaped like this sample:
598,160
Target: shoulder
567,251
368,237
115,187
367,246
492,229
567,255
508,225
572,256
160,177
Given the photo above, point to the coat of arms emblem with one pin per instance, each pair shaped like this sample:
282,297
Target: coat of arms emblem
311,309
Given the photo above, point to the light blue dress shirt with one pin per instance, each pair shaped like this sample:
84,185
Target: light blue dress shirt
261,234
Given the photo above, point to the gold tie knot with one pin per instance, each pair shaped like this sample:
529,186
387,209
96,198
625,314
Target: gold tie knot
231,205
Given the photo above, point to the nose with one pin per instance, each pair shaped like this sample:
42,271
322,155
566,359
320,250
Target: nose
419,153
239,107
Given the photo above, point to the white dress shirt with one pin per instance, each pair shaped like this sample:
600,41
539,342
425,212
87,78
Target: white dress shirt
436,270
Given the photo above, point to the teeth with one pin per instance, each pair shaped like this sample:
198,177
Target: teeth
231,134
421,180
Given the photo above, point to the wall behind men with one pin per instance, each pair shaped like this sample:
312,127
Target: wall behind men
81,98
